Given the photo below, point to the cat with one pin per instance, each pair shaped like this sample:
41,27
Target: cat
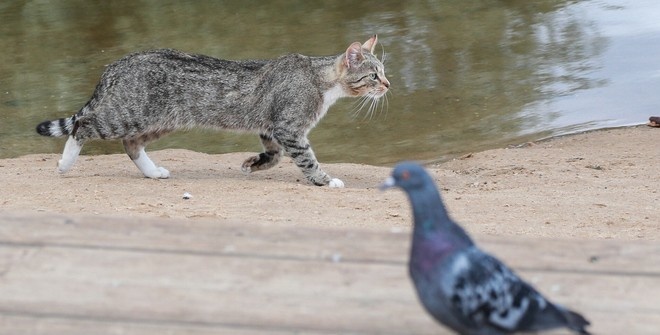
146,95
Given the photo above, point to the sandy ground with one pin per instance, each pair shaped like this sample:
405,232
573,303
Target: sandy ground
598,185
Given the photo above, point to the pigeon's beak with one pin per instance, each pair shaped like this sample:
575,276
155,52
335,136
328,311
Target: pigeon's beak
388,183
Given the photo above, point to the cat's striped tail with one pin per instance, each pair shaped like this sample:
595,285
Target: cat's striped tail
57,128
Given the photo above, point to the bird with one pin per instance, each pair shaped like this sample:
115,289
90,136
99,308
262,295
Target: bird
461,286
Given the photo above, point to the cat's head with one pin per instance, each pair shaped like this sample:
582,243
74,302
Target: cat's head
362,73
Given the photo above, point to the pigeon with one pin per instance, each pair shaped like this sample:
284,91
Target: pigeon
461,286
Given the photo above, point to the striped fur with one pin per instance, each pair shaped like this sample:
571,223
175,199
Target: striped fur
146,95
57,128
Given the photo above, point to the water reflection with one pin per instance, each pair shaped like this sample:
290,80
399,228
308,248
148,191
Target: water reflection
466,75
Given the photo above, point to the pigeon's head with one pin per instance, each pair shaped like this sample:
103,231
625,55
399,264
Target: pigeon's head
409,176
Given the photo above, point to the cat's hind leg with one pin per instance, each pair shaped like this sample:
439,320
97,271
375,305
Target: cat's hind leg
265,160
70,154
135,149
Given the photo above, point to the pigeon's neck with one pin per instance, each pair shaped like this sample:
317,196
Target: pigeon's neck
432,221
435,235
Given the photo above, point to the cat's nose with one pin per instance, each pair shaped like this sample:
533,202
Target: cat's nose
386,83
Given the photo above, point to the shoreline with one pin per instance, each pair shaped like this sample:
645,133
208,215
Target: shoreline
593,185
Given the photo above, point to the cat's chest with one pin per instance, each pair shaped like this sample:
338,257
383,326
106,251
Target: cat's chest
329,98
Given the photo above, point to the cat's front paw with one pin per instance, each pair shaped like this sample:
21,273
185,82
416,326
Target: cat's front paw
248,164
335,182
158,173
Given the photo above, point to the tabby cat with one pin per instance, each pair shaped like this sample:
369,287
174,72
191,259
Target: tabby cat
146,95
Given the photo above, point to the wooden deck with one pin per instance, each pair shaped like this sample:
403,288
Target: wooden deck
90,275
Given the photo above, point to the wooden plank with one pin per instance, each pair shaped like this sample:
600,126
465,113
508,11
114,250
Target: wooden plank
644,324
295,241
598,257
133,287
27,325
152,276
137,287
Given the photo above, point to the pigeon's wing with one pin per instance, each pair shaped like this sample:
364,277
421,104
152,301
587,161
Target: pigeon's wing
488,294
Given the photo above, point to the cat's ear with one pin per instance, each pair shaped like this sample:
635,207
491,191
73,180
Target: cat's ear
371,44
353,55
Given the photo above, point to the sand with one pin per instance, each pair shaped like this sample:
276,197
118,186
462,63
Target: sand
596,185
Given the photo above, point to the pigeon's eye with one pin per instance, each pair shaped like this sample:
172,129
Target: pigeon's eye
405,175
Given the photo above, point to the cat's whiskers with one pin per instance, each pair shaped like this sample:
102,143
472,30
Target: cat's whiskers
358,105
379,102
372,100
385,104
372,107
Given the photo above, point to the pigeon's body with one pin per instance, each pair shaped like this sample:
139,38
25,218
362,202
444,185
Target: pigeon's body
461,286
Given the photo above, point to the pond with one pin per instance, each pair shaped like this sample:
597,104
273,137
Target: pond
465,75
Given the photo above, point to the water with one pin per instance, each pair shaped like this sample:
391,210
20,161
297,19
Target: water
466,75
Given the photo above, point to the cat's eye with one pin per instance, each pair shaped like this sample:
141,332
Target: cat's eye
373,76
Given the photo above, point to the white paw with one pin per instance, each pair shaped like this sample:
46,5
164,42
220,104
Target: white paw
164,173
246,169
334,182
158,173
61,167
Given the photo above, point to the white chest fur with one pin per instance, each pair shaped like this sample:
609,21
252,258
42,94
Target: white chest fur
329,98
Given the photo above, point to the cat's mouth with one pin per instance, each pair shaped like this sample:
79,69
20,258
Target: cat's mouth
380,92
383,88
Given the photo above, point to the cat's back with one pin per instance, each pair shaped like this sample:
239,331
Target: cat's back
173,62
301,73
